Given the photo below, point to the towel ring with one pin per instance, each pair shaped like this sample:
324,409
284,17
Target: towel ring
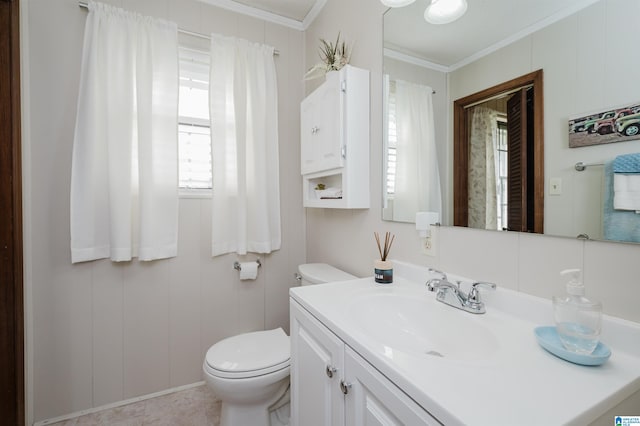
237,267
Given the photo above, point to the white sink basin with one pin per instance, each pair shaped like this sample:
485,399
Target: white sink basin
439,355
421,327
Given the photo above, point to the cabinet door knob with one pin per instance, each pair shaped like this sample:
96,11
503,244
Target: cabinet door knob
330,370
344,387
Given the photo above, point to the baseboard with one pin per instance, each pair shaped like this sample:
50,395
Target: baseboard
116,404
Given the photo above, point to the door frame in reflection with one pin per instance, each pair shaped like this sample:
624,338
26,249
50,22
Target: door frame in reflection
461,108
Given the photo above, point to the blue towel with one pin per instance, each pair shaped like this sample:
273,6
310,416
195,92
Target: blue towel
619,225
628,163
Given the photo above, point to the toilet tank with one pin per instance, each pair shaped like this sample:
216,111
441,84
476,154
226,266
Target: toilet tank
316,273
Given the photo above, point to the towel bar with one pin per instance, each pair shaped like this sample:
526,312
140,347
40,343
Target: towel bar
580,166
237,267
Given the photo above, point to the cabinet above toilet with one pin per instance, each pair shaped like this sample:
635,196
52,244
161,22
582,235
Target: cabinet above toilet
334,122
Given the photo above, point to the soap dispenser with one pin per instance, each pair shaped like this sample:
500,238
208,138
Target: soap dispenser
578,320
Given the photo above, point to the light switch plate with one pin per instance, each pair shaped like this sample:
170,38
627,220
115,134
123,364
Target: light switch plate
555,186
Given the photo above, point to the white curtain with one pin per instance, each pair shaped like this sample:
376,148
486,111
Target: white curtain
483,204
417,176
124,196
244,134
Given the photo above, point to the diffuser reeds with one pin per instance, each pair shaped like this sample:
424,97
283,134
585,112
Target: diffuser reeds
388,241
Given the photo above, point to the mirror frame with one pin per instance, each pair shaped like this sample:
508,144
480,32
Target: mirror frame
461,146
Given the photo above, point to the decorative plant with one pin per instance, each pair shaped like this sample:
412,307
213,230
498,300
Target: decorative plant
388,241
334,57
320,187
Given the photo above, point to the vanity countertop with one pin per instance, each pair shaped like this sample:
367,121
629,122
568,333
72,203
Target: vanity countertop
475,369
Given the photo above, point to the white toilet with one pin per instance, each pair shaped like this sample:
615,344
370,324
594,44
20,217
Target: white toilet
250,372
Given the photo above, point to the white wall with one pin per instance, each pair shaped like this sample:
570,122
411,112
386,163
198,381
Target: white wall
529,263
103,332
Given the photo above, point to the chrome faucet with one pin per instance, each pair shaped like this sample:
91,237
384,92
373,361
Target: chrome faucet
452,295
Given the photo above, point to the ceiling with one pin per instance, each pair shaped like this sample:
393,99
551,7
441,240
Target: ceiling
487,25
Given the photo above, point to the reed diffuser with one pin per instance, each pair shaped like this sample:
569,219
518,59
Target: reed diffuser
383,268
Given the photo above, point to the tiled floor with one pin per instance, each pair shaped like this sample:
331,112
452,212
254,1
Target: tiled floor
192,407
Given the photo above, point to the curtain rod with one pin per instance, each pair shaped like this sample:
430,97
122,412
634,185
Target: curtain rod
85,5
433,91
498,96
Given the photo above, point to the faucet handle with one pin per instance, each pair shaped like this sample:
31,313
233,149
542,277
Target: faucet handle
473,302
435,271
474,294
440,284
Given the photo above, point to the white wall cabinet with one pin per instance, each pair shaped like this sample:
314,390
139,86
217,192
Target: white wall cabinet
331,385
334,127
320,114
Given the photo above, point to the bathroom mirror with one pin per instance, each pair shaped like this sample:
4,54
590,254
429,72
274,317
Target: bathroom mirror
583,48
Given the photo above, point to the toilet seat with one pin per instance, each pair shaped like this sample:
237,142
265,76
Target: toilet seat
249,355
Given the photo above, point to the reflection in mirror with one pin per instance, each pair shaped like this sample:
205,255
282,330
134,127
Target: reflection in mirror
412,180
498,157
583,47
487,174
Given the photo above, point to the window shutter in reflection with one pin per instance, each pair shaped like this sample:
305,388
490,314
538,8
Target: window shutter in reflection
517,139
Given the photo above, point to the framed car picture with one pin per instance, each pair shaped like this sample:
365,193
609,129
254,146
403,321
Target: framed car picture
608,126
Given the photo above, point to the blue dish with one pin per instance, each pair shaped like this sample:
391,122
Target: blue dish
548,338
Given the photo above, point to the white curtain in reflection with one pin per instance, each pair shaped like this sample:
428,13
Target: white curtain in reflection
124,177
483,204
243,99
417,176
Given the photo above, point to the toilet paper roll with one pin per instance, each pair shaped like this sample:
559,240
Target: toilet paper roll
248,270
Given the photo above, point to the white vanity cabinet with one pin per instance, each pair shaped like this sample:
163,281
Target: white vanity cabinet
334,137
331,385
317,362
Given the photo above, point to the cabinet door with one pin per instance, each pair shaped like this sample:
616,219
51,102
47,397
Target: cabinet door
372,400
317,359
321,127
308,134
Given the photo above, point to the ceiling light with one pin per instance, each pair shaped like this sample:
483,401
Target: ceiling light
397,3
445,11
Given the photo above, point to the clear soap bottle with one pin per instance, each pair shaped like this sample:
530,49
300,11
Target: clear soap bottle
578,319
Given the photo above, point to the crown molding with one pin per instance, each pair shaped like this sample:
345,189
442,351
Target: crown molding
313,14
269,16
394,54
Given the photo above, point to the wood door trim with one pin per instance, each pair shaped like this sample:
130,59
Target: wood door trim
461,146
12,407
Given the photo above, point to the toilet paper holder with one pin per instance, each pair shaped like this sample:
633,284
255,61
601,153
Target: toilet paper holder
237,267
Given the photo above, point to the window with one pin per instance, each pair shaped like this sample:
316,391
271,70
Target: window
502,173
391,140
194,133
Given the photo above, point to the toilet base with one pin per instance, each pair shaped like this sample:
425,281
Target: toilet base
234,414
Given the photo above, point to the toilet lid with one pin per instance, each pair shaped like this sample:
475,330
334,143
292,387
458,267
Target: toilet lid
323,273
250,354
